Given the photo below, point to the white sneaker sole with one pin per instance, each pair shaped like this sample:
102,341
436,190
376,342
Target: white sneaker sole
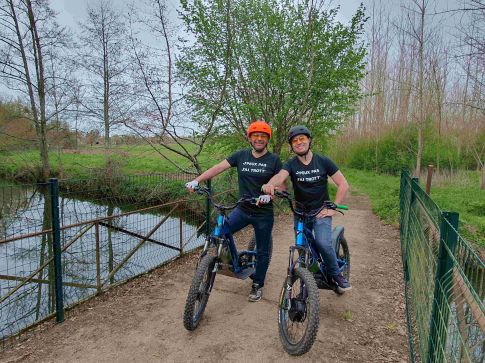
343,289
254,300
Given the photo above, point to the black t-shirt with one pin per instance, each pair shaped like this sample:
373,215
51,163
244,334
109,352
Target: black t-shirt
310,181
252,173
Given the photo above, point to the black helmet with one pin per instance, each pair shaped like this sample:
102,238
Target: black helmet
298,130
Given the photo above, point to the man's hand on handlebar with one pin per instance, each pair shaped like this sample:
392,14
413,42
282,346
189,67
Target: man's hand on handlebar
263,199
269,189
192,185
326,212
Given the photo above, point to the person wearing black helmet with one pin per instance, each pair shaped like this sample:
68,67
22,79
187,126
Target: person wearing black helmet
255,166
309,174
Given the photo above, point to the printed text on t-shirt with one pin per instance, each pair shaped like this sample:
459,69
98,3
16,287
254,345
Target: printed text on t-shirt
253,167
305,175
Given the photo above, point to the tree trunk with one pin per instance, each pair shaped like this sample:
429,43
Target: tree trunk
38,120
421,120
420,151
44,147
483,176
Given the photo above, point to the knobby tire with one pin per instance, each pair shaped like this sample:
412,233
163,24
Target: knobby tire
344,254
199,292
301,345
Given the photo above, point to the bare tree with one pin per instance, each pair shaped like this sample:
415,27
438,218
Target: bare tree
473,36
30,34
418,33
161,114
103,56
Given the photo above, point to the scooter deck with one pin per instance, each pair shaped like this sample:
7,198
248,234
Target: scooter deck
244,274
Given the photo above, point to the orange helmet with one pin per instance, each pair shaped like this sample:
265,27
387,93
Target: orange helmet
259,126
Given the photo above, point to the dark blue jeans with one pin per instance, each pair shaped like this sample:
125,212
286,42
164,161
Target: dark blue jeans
263,225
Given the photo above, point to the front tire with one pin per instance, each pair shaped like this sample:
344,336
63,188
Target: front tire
298,318
199,292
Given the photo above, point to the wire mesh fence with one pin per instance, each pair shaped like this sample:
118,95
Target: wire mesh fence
444,282
110,230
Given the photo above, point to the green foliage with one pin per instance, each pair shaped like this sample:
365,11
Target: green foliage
285,62
393,150
224,145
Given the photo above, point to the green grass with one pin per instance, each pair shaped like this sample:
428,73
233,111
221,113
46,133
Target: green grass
463,196
137,159
460,192
383,191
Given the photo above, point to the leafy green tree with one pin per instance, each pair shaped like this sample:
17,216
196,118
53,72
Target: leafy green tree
285,62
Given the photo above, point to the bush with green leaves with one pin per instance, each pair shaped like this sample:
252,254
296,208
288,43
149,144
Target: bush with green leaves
395,149
284,61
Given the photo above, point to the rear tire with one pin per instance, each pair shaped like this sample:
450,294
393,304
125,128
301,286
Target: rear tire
199,292
298,320
344,254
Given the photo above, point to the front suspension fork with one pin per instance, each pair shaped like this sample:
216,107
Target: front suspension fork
215,268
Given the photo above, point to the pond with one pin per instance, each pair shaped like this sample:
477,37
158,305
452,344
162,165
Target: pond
85,262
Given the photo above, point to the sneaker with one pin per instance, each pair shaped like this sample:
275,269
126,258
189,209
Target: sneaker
256,293
341,282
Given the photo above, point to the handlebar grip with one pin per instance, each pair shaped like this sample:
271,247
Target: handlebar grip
341,206
201,190
283,193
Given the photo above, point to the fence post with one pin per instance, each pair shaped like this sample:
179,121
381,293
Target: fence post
181,231
406,198
440,311
98,259
56,246
413,183
208,210
407,204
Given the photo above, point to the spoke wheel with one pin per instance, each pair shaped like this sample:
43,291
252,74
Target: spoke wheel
199,292
298,314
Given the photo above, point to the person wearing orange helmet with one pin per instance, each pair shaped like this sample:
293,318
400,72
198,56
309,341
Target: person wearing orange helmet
255,167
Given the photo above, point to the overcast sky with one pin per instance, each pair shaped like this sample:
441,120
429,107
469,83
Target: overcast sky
71,11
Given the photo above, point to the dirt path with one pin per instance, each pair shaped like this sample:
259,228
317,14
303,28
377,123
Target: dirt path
141,321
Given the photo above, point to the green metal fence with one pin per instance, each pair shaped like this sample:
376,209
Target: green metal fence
65,241
444,281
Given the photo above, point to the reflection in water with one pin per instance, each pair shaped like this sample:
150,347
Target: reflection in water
31,212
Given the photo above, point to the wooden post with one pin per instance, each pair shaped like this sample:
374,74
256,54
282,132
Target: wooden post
428,179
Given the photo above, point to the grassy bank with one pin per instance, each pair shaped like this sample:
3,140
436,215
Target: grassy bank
83,163
461,194
383,191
